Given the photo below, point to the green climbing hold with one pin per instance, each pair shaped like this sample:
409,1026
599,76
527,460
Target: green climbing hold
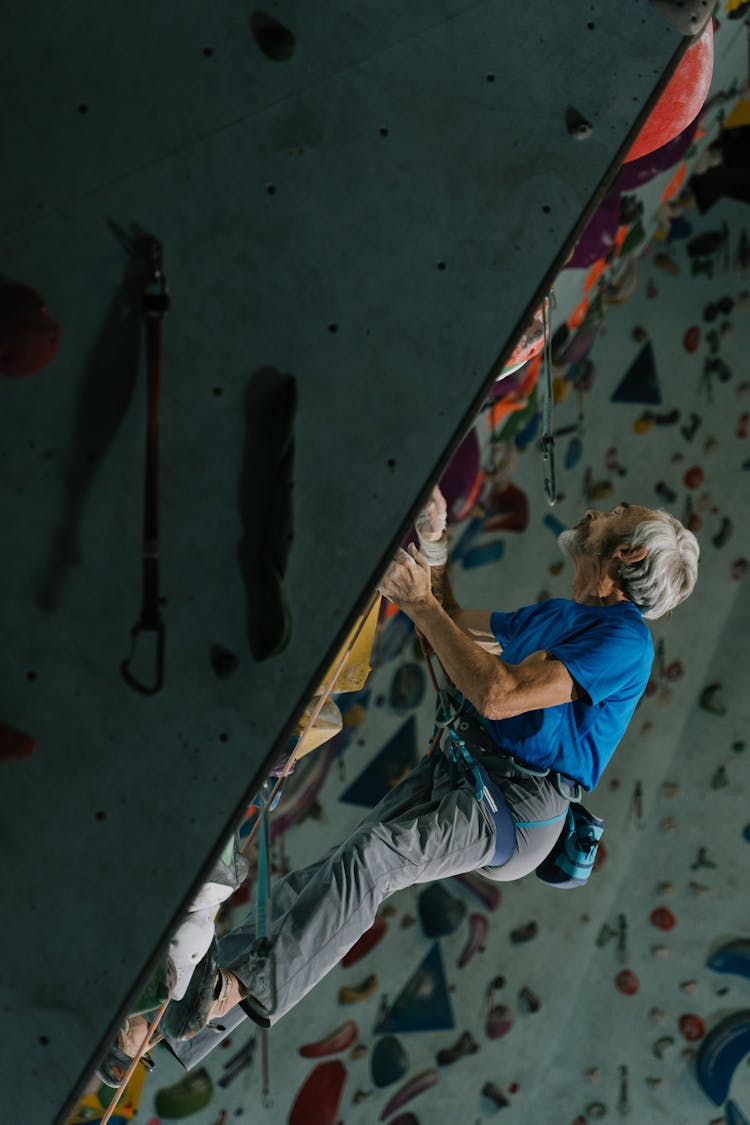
191,1094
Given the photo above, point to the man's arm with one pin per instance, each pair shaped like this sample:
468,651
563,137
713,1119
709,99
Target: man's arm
497,689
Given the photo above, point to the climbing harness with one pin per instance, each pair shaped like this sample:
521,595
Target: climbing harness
155,303
547,440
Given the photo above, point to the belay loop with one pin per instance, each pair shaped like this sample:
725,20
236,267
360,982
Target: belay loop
155,303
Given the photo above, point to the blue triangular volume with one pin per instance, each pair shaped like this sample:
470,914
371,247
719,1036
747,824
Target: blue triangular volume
640,383
424,1003
386,768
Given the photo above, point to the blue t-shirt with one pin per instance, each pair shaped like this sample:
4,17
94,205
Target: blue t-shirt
608,651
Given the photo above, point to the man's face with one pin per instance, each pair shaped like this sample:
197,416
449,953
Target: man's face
598,533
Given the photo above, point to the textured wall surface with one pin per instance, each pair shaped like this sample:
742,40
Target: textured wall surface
375,215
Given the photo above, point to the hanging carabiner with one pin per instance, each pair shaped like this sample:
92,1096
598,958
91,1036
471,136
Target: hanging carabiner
127,675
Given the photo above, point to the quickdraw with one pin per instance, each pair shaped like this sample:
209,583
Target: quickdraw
547,440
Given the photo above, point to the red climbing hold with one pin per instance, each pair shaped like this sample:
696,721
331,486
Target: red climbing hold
663,918
29,337
317,1102
368,941
627,982
692,339
692,1027
682,99
693,477
15,744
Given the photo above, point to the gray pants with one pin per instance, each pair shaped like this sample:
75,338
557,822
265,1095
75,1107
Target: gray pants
420,831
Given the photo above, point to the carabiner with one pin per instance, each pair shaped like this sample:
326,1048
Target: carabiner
127,675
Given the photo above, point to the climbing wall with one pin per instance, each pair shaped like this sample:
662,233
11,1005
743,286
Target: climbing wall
631,997
359,211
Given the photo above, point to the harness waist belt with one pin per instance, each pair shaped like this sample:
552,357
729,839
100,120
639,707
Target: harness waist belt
476,735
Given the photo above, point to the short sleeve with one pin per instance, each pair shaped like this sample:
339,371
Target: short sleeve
605,659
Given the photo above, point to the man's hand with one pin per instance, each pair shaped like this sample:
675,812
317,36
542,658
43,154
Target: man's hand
431,521
407,582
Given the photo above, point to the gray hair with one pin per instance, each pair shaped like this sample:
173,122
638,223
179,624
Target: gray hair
669,571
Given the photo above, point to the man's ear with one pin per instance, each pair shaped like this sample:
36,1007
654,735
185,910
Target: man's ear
631,555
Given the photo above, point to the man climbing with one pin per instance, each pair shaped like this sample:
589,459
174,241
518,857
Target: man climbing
539,697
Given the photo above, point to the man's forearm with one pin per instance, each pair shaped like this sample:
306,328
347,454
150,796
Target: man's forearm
441,589
473,671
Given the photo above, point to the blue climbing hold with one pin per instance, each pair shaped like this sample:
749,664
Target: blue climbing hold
481,556
398,754
720,1053
389,1061
424,1003
733,957
439,912
640,382
734,1115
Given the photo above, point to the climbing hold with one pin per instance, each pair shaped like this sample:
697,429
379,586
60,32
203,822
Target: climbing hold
743,423
223,661
366,942
733,957
661,1045
191,1094
640,382
596,1110
663,918
398,755
494,1094
498,1022
319,1096
554,524
389,1061
478,926
574,452
612,462
691,1027
692,339
439,912
740,568
660,952
720,1053
15,744
352,994
461,482
665,492
481,556
524,933
639,334
711,700
693,477
720,779
508,509
651,289
464,1045
338,1040
577,124
411,1089
488,893
657,1015
424,1002
688,986
407,687
528,1000
627,982
29,337
732,1112
667,263
275,41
